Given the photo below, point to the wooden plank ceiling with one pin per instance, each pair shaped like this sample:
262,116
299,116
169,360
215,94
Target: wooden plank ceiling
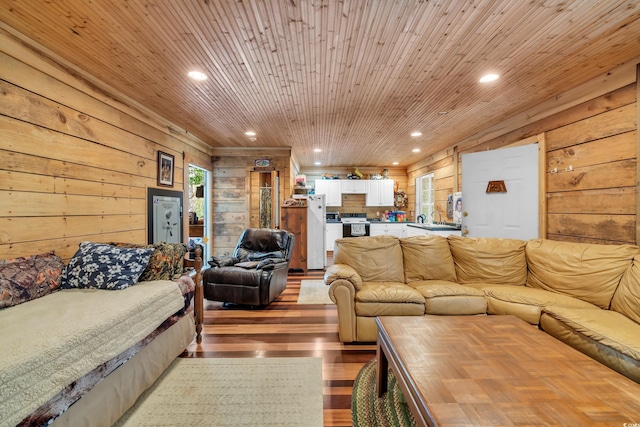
352,77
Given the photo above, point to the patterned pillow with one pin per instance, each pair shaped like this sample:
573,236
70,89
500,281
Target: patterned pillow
23,279
179,251
160,265
101,266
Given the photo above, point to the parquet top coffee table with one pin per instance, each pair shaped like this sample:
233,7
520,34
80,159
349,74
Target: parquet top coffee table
499,370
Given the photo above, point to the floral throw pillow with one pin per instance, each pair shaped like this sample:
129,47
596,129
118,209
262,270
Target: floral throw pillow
101,266
23,279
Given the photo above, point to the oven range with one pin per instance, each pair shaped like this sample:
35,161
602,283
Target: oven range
355,225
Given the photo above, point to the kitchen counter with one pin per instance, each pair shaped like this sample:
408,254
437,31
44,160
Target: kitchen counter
436,227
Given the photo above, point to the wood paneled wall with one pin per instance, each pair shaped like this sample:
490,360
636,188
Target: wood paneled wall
76,159
232,207
591,164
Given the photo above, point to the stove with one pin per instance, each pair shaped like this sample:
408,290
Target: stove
355,225
351,218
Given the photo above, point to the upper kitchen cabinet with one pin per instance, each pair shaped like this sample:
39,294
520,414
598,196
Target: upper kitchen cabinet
380,192
331,188
353,186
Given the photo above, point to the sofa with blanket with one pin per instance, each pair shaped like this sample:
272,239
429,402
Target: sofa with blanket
586,295
81,342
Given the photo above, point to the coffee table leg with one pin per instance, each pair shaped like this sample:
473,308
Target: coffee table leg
383,369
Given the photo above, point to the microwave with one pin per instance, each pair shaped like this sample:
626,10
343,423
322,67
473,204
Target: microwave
333,216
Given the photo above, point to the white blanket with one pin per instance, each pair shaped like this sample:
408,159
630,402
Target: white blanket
49,342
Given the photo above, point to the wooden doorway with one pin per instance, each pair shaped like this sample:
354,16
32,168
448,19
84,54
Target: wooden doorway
264,206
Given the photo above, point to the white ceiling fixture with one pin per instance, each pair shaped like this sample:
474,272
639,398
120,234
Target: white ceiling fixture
197,75
416,150
414,134
489,78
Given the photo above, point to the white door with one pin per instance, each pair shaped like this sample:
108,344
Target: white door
511,214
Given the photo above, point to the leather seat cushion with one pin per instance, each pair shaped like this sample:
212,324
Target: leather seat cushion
443,297
440,288
526,303
583,270
388,292
233,276
489,260
373,309
532,296
609,328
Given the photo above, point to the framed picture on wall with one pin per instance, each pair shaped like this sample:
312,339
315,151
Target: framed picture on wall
165,169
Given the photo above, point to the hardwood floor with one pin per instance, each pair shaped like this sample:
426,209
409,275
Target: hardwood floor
286,329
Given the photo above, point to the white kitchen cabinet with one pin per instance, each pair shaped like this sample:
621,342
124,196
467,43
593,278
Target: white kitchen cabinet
415,231
397,229
331,189
380,192
353,186
333,232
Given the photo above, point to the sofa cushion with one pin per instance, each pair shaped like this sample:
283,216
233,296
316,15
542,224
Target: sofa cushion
374,258
626,299
26,278
102,266
587,271
427,258
525,302
489,260
388,292
605,335
374,309
449,298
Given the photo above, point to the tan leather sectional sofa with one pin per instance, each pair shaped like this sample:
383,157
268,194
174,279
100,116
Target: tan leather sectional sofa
585,295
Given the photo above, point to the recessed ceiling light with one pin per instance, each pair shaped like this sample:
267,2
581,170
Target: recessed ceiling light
395,163
197,75
489,78
250,133
443,113
317,150
416,150
416,134
317,163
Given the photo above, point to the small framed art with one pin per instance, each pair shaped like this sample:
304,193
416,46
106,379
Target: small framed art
165,169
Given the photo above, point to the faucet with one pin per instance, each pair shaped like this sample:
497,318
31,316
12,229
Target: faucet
433,214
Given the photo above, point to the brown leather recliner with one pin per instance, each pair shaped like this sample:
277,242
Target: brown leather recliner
256,273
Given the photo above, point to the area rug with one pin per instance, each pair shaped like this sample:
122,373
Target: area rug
367,410
233,392
314,292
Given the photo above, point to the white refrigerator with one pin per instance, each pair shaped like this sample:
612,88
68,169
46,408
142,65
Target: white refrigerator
316,221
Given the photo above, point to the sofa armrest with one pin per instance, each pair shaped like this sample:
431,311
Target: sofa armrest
343,294
345,272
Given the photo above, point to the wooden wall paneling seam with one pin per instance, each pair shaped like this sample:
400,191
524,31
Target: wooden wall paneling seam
542,186
637,153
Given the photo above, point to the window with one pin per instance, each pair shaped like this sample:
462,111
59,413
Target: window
425,196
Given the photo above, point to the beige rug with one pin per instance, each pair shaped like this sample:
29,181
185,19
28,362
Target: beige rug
233,392
314,292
